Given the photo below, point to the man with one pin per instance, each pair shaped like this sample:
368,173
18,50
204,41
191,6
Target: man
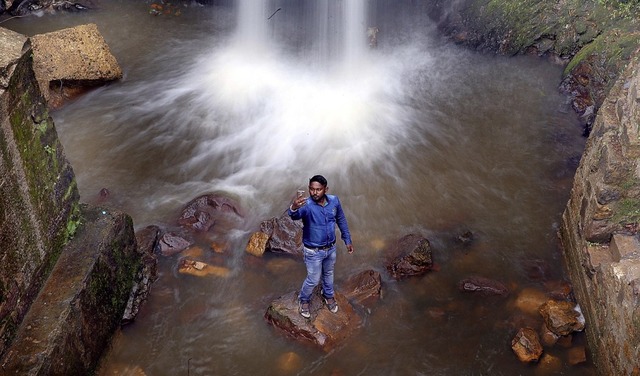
320,212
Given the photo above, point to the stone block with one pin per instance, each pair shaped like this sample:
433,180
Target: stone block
79,308
624,246
11,46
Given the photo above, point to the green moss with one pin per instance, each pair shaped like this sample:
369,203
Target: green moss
74,222
613,48
627,211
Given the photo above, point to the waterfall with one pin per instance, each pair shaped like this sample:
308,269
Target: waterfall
335,30
297,89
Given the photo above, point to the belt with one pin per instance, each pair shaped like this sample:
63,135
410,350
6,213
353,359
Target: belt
321,248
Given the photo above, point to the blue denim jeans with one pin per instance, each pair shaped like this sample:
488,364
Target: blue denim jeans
320,265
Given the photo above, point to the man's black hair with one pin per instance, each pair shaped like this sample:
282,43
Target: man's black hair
320,179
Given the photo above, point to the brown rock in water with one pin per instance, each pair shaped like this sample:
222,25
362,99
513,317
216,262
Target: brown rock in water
548,337
558,290
483,286
549,365
171,244
324,329
285,235
289,363
201,269
530,299
562,317
526,345
577,355
410,256
257,243
363,287
200,214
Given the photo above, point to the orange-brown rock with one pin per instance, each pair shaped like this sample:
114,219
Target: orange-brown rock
363,288
526,345
323,329
257,243
562,317
201,269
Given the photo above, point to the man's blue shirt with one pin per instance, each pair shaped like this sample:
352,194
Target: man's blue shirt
320,222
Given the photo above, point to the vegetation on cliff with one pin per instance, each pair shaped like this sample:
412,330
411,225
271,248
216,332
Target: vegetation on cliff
594,39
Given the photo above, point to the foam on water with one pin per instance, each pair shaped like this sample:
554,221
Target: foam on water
268,111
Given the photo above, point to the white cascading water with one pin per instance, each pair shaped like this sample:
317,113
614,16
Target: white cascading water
329,105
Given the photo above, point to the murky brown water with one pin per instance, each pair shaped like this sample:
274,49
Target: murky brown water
424,137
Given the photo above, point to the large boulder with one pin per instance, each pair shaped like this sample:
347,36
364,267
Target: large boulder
324,329
409,256
285,235
202,212
70,61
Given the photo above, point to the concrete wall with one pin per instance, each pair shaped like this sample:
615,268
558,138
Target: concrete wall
38,194
600,226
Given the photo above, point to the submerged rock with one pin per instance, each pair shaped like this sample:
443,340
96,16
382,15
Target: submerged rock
324,329
363,287
201,269
483,286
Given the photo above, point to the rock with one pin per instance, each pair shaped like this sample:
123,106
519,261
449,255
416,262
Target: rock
285,235
576,355
200,214
76,57
11,43
624,246
536,270
410,256
530,299
565,341
526,345
201,269
549,365
289,363
363,287
257,243
483,286
171,244
147,240
324,329
121,369
548,337
558,290
562,317
466,238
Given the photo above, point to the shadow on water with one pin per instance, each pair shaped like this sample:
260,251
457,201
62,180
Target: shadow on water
414,136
